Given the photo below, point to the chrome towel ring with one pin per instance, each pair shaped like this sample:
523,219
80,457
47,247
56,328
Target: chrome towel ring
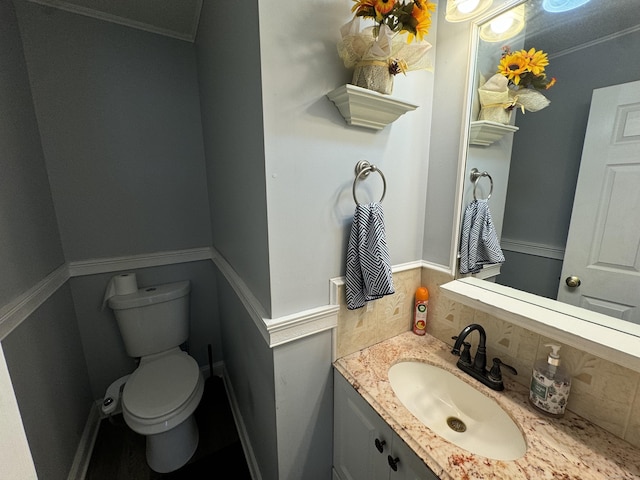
363,169
475,177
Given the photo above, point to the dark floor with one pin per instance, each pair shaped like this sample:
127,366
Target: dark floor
119,453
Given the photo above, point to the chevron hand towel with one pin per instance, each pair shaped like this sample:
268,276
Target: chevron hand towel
368,274
479,243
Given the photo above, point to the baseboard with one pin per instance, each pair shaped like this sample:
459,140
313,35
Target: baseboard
82,458
242,431
217,370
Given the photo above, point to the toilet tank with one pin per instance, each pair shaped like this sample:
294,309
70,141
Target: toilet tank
153,319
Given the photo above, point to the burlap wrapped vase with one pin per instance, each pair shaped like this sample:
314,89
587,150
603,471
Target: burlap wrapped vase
494,98
373,75
499,101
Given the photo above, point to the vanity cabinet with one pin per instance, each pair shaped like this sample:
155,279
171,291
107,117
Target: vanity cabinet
364,445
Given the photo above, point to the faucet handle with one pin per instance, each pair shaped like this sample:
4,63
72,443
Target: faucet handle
495,373
465,355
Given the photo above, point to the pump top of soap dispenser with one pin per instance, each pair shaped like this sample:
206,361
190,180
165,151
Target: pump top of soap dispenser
554,356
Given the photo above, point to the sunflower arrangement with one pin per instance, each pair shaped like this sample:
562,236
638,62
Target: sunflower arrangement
394,44
412,17
515,85
525,68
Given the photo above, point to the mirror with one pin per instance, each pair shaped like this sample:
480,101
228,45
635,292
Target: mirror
534,170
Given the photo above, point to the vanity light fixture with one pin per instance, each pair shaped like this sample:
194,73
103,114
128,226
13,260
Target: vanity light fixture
557,6
507,25
463,10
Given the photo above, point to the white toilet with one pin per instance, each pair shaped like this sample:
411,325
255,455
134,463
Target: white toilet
161,395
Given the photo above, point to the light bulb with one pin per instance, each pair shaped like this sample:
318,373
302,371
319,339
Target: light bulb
505,26
557,6
502,24
467,6
463,10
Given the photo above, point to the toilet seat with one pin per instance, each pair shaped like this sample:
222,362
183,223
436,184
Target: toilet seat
162,392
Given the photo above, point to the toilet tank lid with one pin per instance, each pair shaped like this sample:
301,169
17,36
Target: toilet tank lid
151,295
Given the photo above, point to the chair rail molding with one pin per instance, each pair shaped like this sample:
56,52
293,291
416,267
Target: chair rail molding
275,331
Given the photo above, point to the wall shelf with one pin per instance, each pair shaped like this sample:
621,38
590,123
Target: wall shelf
484,132
366,108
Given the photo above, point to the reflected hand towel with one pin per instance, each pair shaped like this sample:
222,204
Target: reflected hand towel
479,243
368,274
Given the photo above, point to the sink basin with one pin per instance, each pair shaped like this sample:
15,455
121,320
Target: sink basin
456,411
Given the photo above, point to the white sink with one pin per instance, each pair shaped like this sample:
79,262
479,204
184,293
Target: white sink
456,411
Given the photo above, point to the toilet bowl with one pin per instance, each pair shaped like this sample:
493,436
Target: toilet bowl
158,401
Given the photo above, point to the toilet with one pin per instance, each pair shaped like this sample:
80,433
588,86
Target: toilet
161,395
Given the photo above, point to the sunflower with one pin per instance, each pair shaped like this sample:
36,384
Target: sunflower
513,66
426,6
410,16
364,8
383,7
536,59
420,23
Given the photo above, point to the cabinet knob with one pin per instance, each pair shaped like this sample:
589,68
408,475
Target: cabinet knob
380,444
393,462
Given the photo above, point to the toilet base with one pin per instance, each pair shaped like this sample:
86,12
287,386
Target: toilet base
170,450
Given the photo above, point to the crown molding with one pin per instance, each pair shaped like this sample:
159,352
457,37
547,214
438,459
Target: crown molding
127,22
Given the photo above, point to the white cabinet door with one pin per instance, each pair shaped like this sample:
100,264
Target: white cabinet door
365,447
358,436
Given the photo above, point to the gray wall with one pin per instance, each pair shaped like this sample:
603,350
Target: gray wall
543,174
231,104
46,363
28,232
250,366
44,354
310,154
119,118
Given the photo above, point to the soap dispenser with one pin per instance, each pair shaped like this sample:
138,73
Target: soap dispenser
550,384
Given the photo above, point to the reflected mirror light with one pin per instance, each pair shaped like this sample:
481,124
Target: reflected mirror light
462,10
506,26
557,6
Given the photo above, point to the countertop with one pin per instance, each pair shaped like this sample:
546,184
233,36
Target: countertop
567,448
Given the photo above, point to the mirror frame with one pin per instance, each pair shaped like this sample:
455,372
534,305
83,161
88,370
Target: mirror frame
573,326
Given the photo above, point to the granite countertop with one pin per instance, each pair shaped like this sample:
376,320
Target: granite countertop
566,448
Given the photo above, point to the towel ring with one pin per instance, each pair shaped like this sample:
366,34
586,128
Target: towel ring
363,169
475,177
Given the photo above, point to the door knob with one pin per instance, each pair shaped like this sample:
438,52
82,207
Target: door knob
573,281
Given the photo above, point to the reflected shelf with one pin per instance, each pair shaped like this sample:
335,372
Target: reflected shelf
485,132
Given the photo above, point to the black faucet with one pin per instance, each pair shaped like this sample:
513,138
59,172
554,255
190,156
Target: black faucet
477,367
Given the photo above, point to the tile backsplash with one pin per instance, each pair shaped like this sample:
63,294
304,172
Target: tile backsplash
605,393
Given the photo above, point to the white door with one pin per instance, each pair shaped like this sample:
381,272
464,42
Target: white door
603,247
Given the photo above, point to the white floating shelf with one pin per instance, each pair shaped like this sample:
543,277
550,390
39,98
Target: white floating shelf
366,108
484,132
